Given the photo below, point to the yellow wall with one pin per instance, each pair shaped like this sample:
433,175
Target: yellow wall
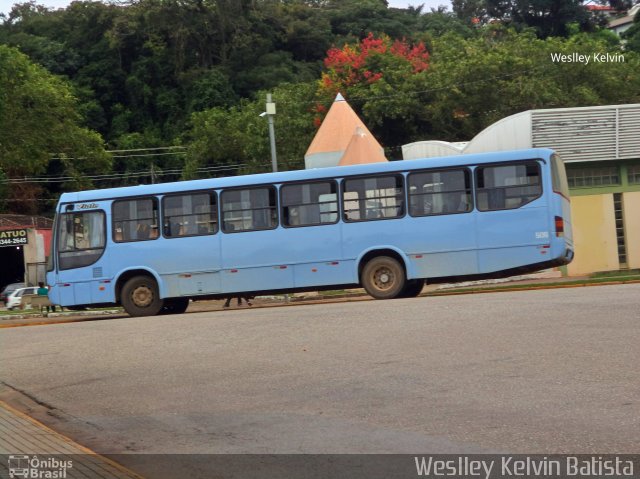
631,209
594,235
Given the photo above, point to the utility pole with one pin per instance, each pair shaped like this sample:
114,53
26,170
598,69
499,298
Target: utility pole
271,112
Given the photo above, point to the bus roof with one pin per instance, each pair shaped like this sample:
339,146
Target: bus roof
301,175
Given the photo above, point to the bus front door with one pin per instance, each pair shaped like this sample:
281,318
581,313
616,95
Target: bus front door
82,271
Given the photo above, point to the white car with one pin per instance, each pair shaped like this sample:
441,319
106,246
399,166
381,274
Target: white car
15,298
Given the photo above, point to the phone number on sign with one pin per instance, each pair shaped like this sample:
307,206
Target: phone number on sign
12,241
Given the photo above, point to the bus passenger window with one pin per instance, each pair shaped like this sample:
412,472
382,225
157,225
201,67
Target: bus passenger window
309,204
249,209
373,198
440,192
507,187
135,220
193,214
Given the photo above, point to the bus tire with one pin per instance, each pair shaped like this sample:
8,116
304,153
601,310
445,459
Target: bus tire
175,306
140,296
412,288
383,277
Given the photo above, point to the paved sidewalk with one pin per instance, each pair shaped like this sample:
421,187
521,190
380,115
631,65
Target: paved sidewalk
25,443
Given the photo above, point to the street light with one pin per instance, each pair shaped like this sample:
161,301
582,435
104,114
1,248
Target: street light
270,113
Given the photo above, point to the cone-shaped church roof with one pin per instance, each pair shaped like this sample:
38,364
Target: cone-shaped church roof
334,135
362,148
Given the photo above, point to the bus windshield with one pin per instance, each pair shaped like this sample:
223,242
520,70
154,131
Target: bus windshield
81,238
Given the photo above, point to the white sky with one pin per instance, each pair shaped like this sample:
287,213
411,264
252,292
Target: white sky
428,4
5,5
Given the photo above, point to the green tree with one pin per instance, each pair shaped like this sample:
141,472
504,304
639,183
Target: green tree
547,17
354,19
39,120
632,35
228,140
471,11
476,82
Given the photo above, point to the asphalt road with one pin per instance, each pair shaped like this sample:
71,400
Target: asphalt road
547,371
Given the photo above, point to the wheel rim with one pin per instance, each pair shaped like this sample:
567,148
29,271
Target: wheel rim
142,296
384,278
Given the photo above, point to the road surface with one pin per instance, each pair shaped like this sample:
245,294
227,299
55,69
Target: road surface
546,371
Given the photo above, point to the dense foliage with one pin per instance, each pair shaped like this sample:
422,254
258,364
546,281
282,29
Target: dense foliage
41,132
192,75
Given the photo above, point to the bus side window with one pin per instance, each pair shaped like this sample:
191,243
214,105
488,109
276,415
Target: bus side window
440,192
309,204
508,186
249,209
373,198
135,220
192,214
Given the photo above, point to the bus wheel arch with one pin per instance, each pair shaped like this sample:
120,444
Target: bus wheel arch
383,273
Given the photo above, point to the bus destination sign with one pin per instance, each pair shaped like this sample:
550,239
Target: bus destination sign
13,237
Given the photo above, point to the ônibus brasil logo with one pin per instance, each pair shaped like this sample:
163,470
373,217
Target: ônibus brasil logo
32,467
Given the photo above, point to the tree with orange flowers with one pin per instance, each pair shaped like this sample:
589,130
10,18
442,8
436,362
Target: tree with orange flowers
368,61
372,75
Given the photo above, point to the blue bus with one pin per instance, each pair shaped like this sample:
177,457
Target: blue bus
386,227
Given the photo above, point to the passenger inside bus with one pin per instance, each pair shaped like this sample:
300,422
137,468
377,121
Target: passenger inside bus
145,231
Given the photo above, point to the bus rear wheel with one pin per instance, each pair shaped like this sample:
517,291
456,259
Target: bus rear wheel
140,296
412,288
175,306
383,278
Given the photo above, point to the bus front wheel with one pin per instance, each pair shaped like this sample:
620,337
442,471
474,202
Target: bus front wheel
140,296
383,277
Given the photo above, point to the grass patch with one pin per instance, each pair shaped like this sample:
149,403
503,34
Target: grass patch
616,274
36,312
334,292
17,312
503,287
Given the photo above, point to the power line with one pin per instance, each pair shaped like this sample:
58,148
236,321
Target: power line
120,156
150,154
114,176
149,149
17,200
